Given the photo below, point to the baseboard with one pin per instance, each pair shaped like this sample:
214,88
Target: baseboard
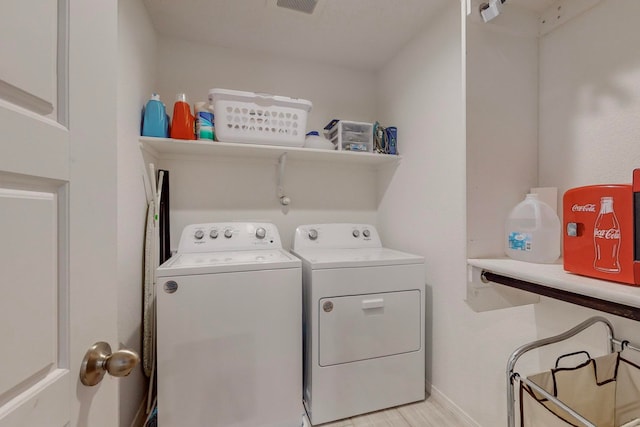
447,403
435,394
141,415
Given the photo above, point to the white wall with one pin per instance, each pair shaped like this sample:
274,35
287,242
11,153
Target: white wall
589,127
423,210
435,193
225,189
590,98
502,165
136,68
502,123
195,68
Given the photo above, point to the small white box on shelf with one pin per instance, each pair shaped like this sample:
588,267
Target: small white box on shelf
348,135
256,118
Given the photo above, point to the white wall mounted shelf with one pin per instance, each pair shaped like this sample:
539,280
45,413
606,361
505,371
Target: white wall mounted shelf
552,281
164,147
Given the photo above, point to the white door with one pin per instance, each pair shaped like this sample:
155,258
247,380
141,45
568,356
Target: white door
57,209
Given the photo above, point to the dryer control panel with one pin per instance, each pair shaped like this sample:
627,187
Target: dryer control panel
229,236
336,236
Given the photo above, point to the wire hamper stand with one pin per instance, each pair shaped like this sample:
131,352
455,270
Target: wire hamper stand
559,397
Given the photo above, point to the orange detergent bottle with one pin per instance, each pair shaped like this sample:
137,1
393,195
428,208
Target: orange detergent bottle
182,124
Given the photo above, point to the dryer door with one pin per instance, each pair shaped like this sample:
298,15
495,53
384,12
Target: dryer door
360,327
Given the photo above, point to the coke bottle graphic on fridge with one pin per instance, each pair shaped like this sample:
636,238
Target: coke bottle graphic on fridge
606,238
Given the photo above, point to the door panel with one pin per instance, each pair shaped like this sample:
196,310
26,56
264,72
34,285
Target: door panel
58,247
29,303
35,381
32,145
28,72
34,310
45,396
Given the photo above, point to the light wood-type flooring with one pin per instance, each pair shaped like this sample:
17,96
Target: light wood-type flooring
429,413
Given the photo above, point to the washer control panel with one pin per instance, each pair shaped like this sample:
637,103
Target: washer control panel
336,236
229,236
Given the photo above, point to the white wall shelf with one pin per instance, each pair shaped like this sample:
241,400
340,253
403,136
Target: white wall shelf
165,147
552,281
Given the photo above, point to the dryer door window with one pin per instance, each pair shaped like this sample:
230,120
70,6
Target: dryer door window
360,327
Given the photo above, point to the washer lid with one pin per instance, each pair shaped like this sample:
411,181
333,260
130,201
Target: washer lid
226,262
363,257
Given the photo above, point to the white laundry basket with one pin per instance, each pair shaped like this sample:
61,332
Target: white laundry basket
599,392
248,117
604,390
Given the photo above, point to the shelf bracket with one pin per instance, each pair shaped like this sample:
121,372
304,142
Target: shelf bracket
282,198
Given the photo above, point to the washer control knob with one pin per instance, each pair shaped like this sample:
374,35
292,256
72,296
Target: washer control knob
199,234
228,233
261,233
313,234
213,234
356,233
366,233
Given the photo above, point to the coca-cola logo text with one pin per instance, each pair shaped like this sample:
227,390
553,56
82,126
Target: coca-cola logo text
584,208
612,233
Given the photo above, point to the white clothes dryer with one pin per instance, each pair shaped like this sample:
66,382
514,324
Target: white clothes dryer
364,316
229,348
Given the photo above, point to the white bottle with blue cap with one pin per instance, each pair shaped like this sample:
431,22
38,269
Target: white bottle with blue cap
532,232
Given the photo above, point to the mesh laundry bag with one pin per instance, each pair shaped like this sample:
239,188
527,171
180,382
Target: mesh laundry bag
604,390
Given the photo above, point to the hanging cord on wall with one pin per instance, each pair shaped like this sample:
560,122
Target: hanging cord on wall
380,144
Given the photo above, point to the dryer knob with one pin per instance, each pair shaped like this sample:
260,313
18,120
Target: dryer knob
356,233
213,234
199,234
261,233
313,234
366,233
228,233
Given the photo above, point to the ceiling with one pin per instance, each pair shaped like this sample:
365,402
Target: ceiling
361,34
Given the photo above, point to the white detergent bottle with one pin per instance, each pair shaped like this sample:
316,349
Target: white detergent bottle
533,232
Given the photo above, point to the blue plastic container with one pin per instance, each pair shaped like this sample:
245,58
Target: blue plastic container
392,139
155,119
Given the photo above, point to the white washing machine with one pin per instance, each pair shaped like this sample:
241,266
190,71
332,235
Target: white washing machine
229,316
364,312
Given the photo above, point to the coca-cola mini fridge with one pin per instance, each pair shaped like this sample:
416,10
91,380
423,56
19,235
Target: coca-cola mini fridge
601,224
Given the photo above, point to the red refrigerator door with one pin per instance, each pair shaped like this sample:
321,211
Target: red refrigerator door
598,232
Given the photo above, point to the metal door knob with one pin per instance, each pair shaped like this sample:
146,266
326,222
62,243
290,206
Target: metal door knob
99,360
